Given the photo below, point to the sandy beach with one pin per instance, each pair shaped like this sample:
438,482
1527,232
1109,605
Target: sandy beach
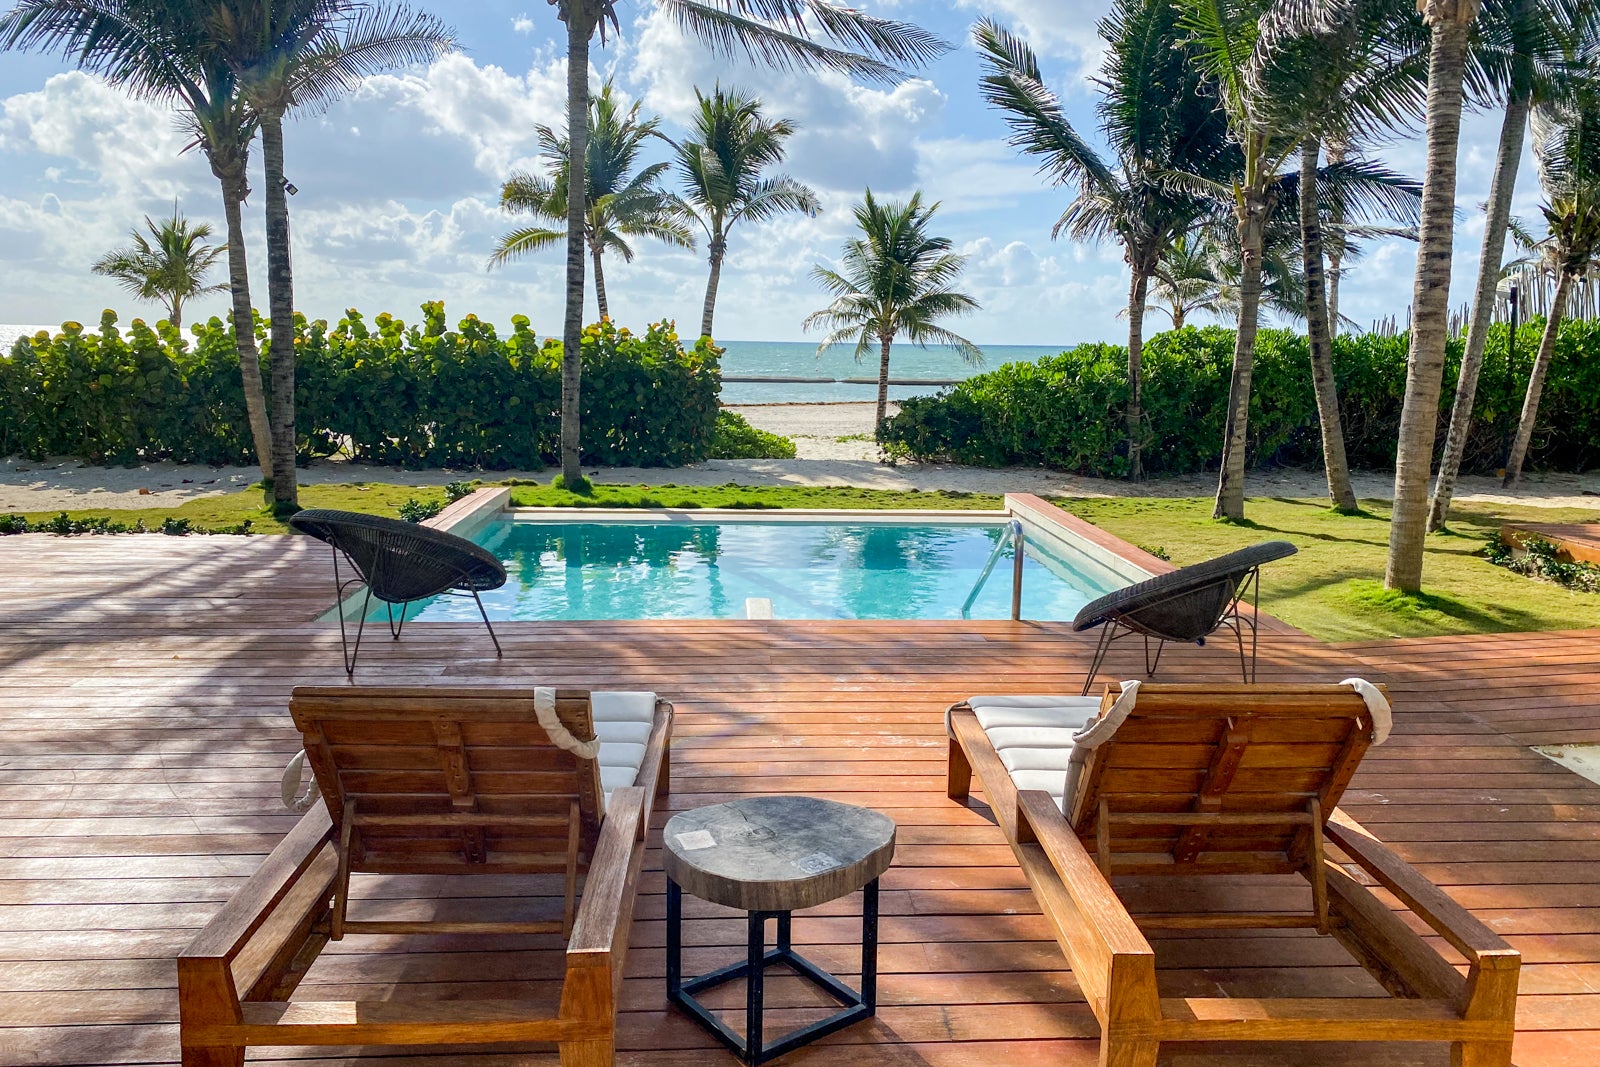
834,447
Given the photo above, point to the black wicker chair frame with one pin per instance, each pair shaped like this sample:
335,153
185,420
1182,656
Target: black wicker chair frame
399,563
1189,604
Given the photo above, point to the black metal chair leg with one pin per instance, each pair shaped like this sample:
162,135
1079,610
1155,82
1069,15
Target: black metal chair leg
361,628
479,600
1161,646
1108,634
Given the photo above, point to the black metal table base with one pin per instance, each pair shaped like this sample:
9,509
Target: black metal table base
751,1048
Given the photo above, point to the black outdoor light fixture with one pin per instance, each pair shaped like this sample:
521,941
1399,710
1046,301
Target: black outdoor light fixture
289,187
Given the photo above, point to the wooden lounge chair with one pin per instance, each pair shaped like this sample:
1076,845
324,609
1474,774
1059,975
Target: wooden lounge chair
1237,780
439,781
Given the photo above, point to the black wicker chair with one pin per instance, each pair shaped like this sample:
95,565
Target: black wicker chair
399,562
1189,604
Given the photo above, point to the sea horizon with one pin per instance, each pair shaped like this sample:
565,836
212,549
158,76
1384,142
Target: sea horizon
799,359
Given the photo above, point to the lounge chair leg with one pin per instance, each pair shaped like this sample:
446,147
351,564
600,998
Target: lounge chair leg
600,1052
1126,1053
958,775
1480,1054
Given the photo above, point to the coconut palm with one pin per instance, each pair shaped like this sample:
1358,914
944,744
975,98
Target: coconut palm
298,53
786,34
1186,281
1449,25
623,201
1567,153
1532,41
1257,55
723,168
154,52
1158,119
895,280
169,266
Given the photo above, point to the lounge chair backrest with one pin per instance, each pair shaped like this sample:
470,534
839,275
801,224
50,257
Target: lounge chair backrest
437,780
1191,764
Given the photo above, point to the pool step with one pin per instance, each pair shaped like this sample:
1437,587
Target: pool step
757,607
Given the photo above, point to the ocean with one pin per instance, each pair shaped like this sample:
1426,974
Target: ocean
799,359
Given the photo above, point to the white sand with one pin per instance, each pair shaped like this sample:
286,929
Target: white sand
823,460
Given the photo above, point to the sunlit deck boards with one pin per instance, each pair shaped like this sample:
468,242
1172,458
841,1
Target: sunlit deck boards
143,685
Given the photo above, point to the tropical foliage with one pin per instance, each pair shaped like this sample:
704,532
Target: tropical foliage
723,166
1063,412
624,199
786,34
1159,119
895,280
423,395
169,266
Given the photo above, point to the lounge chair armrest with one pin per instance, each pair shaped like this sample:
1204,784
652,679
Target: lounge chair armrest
1450,920
245,912
1039,820
608,890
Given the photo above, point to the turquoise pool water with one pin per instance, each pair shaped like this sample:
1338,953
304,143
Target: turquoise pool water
821,570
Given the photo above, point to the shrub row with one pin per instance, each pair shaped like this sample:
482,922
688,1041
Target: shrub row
1066,411
422,396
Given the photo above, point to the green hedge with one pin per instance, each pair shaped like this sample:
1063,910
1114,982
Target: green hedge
1066,411
423,396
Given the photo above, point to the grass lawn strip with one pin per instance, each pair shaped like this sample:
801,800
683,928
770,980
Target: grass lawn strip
1333,589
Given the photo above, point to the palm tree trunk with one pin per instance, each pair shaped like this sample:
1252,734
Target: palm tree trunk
244,326
719,249
580,24
1180,315
1252,217
1138,290
1541,365
883,383
600,282
1318,337
1335,246
280,299
1513,130
1450,22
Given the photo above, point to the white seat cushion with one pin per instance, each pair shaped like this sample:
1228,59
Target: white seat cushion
622,722
1033,735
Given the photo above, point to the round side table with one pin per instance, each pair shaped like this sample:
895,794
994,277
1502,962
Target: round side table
770,857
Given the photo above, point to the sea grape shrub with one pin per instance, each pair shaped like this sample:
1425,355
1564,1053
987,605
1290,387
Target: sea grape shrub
1067,411
420,396
735,438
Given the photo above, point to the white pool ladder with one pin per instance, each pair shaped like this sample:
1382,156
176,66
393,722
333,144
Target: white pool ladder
1018,546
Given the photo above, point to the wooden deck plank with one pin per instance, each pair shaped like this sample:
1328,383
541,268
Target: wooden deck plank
145,725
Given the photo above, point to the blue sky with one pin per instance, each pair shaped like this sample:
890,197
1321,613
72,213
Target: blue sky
398,183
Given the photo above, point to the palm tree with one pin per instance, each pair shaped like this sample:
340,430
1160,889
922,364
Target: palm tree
722,165
1158,119
1531,38
1276,70
298,53
1567,152
787,34
153,51
1450,25
895,280
622,203
1186,281
170,266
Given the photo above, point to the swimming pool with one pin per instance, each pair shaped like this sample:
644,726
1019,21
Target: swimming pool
838,568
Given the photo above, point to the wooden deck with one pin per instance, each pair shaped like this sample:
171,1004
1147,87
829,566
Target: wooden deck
143,687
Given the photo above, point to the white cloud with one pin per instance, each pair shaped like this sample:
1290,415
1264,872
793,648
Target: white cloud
1057,28
522,24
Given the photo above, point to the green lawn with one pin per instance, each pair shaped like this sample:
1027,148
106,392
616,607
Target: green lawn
1334,587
